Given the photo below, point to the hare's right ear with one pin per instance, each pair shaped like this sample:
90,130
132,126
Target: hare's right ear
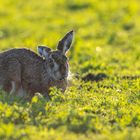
44,51
65,43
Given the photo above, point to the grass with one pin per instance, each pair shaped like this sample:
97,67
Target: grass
104,99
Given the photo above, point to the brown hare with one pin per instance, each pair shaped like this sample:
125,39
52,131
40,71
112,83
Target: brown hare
24,73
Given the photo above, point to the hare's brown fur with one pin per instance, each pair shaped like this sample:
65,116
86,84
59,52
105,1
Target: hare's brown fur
24,72
26,69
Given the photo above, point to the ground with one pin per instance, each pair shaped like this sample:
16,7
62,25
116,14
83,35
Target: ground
103,101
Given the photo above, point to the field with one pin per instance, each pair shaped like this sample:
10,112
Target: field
103,101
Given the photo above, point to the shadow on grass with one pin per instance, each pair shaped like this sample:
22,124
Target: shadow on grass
129,77
93,77
102,76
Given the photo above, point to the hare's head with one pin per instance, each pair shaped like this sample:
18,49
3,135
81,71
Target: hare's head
56,60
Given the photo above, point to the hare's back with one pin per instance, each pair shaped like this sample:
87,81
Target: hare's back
17,63
20,54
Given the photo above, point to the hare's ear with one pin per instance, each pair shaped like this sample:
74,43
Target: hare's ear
43,51
65,43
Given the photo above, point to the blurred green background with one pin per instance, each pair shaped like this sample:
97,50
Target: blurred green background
107,41
106,31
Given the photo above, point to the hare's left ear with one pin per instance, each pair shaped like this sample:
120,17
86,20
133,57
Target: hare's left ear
44,51
65,43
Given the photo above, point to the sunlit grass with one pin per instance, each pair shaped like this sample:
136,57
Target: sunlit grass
105,54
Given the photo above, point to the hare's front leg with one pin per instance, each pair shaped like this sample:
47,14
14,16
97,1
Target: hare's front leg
16,88
13,88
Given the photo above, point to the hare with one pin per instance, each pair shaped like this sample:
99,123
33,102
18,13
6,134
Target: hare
24,73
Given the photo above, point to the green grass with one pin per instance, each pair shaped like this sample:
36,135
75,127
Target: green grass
107,42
